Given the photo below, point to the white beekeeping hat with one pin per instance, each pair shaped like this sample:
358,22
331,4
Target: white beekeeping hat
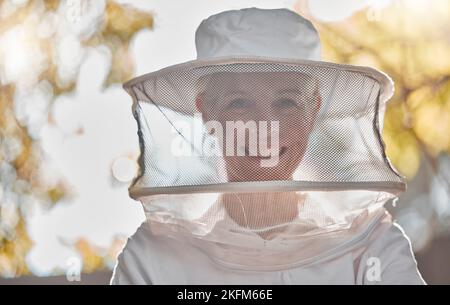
257,149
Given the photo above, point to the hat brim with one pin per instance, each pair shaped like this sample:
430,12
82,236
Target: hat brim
174,86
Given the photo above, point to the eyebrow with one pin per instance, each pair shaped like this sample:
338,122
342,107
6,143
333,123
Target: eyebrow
213,101
289,90
236,92
213,98
281,91
233,93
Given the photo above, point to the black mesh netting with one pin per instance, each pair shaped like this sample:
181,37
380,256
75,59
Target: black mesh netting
235,150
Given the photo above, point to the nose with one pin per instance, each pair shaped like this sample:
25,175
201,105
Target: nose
264,111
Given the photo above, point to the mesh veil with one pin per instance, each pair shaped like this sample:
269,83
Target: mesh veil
262,161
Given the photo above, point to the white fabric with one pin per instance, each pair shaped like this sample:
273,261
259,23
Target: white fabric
243,41
150,259
254,31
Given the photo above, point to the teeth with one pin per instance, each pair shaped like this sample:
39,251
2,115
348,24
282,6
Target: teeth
247,153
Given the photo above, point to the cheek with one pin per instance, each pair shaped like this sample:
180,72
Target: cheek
294,137
298,150
294,126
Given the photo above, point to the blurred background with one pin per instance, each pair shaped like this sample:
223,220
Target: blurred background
68,142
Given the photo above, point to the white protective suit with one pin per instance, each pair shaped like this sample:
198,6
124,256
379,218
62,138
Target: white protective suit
150,259
261,164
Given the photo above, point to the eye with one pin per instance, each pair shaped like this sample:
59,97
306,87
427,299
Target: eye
238,103
285,103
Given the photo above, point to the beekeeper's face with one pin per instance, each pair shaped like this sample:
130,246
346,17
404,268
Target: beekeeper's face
265,120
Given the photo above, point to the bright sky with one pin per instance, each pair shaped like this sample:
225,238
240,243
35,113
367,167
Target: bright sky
101,208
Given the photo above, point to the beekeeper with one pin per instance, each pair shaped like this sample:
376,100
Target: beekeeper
289,181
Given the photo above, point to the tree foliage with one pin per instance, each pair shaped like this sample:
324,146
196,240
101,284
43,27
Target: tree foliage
20,183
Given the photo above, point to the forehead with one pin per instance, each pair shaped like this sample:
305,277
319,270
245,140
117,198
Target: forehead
251,81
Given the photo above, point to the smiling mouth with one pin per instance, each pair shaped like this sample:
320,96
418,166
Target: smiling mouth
282,150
